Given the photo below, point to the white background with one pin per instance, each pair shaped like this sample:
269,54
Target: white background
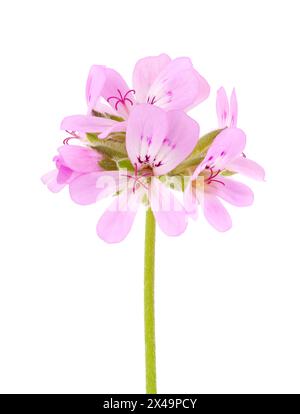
227,305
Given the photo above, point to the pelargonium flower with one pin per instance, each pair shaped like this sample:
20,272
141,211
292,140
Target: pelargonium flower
157,80
156,141
208,183
71,162
227,113
227,116
152,149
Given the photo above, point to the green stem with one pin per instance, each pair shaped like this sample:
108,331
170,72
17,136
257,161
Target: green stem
149,303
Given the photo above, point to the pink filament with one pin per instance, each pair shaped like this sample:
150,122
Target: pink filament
137,178
212,176
73,136
121,99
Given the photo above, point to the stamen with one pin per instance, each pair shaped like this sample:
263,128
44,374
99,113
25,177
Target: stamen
73,136
217,173
137,178
216,181
213,175
146,161
121,99
127,99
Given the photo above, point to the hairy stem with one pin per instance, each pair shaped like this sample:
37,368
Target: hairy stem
149,303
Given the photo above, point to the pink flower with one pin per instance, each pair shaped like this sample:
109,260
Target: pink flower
156,141
227,114
227,117
157,80
71,162
208,185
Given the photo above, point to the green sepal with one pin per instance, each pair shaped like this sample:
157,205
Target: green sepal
107,116
198,153
205,142
113,147
92,138
108,164
227,173
125,164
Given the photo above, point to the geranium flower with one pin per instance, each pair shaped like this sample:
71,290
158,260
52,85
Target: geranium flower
157,80
227,116
156,141
71,162
208,185
227,113
159,153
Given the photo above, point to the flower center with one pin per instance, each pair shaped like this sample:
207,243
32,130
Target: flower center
146,159
121,99
138,179
145,162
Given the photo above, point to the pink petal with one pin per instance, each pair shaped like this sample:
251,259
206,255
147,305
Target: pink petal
63,174
117,127
146,130
88,123
247,167
94,85
105,109
115,88
233,192
89,188
203,91
190,202
145,72
57,179
233,110
178,86
114,82
227,146
183,134
215,213
80,159
50,180
222,107
169,213
85,123
116,222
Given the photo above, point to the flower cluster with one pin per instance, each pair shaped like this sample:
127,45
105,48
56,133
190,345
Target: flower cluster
139,146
